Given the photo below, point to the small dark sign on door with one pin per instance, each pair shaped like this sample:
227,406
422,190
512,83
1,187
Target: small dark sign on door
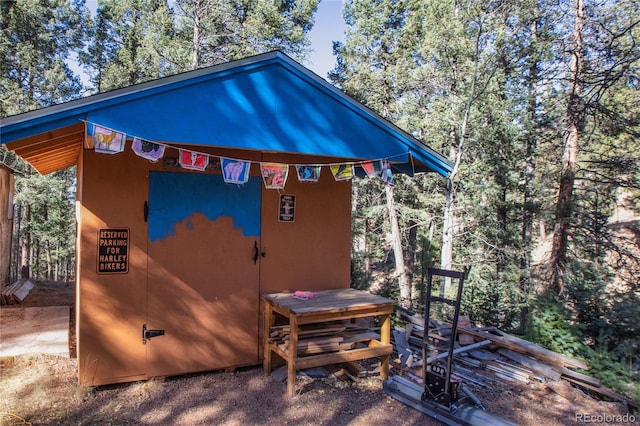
287,208
113,251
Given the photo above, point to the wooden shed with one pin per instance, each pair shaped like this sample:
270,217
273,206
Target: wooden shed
182,217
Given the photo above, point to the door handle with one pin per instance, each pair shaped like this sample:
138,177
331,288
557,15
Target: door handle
256,252
145,211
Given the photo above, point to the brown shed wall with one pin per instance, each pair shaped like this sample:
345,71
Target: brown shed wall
200,285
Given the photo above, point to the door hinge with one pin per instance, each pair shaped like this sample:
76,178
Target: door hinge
148,334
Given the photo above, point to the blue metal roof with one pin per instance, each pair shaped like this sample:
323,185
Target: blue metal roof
266,102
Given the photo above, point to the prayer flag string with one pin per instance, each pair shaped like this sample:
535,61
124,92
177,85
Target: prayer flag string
111,141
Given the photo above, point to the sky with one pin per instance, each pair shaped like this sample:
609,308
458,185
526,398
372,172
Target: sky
329,27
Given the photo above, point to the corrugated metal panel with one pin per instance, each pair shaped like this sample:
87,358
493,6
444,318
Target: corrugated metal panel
51,151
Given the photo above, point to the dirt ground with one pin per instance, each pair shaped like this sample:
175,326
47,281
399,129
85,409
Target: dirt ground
42,389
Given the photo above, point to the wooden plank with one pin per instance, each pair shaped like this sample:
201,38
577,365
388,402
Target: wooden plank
267,324
345,356
345,312
526,347
328,301
354,369
291,356
320,331
505,372
312,317
314,349
385,339
574,375
483,355
360,337
457,351
464,339
70,137
329,325
571,362
602,390
530,363
413,319
319,341
7,293
23,291
282,352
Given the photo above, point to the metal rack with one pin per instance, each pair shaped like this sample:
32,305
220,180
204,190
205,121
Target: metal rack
439,386
442,396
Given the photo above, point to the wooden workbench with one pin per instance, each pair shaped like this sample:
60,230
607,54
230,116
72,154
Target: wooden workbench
327,305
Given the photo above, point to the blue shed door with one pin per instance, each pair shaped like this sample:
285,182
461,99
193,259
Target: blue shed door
203,280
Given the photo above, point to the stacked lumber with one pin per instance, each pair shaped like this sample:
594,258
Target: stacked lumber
16,292
502,357
323,337
522,346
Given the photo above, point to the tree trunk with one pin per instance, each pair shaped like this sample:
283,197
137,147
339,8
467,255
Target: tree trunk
57,266
357,240
6,224
36,270
457,146
574,122
446,254
412,260
49,260
17,254
195,59
401,271
529,178
367,262
25,243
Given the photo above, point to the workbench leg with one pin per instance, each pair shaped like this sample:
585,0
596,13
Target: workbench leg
385,339
266,331
292,354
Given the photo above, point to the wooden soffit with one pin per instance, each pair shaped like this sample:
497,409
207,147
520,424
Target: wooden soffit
53,150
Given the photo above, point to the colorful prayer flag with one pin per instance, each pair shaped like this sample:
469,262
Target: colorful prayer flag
235,171
307,173
149,150
193,160
107,141
372,168
342,171
387,175
89,142
274,175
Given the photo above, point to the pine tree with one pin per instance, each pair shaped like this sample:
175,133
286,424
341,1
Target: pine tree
209,32
603,53
371,69
575,117
47,232
37,38
123,50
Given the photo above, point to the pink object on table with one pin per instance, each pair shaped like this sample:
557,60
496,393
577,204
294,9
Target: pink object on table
304,295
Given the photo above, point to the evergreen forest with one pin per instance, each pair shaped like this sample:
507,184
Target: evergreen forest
535,102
